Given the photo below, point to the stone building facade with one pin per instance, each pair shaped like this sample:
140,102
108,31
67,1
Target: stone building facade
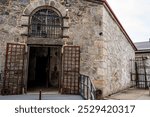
105,47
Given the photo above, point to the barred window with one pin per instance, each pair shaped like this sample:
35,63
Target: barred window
46,23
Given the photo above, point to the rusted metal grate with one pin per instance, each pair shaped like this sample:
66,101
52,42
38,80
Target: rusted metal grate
71,69
46,23
14,64
140,75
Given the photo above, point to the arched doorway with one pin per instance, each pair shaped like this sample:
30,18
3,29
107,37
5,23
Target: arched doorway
44,68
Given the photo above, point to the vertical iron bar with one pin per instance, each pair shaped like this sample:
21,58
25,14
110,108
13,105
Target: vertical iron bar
145,74
137,76
83,86
40,95
23,56
91,91
87,88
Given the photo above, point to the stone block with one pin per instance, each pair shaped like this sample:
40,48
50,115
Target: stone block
66,32
27,11
52,3
99,84
101,71
66,23
99,44
99,57
42,2
31,7
35,5
57,5
24,30
62,9
92,50
103,52
24,20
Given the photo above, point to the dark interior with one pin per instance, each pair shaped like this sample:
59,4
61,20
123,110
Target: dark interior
40,71
44,68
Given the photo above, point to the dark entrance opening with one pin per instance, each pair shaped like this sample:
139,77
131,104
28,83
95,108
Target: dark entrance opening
44,69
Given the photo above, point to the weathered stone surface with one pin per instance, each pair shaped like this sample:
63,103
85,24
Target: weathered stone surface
119,53
1,19
24,2
24,20
105,51
4,1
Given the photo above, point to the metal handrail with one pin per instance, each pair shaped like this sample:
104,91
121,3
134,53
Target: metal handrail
86,88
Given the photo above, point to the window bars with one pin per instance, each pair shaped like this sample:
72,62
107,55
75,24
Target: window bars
46,23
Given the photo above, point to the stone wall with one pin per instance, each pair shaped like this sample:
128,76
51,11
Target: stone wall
85,26
105,51
10,14
118,55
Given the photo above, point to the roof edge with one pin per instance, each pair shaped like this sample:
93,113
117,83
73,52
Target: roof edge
106,4
120,25
142,51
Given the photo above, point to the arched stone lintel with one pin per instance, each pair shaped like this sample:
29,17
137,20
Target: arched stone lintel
52,3
40,3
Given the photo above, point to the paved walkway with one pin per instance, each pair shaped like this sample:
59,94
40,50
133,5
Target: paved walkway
131,94
44,97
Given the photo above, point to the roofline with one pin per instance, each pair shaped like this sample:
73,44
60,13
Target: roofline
120,25
142,51
105,3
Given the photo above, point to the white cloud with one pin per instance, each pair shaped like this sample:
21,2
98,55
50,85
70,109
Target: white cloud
134,16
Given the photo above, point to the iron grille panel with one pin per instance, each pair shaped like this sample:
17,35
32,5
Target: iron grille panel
14,64
140,76
71,69
46,23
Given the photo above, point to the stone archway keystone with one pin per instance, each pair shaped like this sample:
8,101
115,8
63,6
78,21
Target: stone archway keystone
38,3
43,3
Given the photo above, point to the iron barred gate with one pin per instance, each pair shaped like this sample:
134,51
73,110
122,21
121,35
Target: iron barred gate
140,73
71,70
13,73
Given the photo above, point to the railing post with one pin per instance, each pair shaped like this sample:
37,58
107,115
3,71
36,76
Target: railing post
84,87
87,88
40,95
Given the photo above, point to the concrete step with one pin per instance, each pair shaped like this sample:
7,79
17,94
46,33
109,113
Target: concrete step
44,97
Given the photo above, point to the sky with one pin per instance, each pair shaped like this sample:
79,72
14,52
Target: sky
134,15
